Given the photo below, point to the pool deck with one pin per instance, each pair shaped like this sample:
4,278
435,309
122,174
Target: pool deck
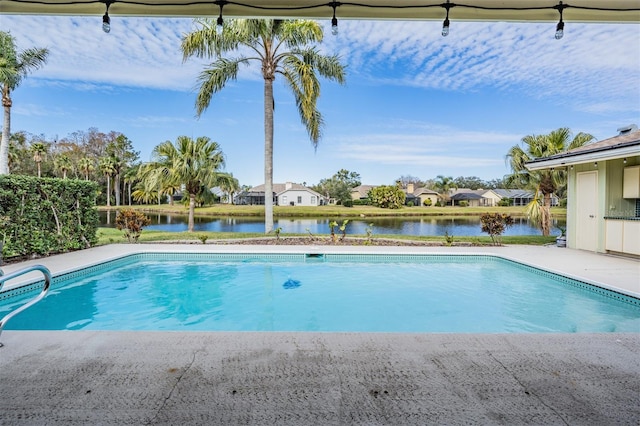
134,378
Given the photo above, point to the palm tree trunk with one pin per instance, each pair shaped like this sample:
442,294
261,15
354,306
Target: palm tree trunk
4,143
108,191
192,210
546,215
117,188
268,155
39,169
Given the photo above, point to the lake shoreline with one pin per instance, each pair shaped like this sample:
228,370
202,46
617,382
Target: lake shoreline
227,210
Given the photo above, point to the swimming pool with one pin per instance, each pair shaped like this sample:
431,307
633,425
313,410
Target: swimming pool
332,293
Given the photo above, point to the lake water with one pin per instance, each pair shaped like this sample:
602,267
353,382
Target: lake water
426,226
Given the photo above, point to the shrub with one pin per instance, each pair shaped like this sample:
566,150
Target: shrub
448,239
438,204
464,203
347,203
131,222
410,204
42,216
428,202
495,224
505,202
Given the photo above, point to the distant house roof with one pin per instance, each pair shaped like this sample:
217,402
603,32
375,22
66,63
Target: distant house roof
363,190
279,188
424,191
513,193
623,145
466,196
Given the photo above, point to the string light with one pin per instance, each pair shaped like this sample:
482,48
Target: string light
106,20
560,27
445,24
334,20
220,21
624,161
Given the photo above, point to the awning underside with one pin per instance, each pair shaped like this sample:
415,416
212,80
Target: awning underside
468,10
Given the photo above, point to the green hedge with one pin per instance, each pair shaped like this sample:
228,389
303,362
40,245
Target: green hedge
41,216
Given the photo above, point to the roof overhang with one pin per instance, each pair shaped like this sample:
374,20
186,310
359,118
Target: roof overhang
618,11
628,151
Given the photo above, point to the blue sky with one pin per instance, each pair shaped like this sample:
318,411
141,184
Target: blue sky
415,103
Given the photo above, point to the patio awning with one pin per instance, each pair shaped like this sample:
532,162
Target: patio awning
467,10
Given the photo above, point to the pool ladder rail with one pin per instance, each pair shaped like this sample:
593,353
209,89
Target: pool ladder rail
45,290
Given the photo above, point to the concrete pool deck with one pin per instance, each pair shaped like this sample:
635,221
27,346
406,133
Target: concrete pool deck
132,378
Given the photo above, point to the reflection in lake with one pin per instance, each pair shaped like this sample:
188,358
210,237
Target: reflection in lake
424,226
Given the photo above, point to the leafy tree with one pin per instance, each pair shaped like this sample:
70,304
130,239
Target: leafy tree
121,150
194,164
280,47
544,182
406,180
14,66
471,182
339,186
387,196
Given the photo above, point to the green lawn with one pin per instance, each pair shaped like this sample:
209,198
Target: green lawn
111,236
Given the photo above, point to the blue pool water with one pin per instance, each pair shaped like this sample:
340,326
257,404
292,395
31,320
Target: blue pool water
363,293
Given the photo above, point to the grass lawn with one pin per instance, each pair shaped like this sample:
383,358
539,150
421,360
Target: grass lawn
111,236
334,211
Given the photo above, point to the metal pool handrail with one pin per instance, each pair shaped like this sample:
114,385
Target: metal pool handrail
43,293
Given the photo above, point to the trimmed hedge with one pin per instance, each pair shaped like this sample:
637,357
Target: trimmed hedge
42,216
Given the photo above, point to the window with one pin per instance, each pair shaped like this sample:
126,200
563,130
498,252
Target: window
299,199
313,199
284,200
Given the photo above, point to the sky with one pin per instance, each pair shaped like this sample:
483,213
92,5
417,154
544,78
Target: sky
414,103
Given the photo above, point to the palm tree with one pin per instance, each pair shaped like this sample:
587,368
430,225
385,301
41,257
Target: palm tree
86,165
39,151
63,163
444,185
14,66
230,186
194,164
108,167
280,47
544,182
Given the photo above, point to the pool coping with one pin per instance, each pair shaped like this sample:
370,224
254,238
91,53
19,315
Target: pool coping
617,274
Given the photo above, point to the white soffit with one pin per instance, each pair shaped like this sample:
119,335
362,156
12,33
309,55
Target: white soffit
468,10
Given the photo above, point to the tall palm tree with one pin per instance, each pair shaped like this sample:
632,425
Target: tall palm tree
63,163
14,66
86,165
194,164
39,151
444,185
544,182
280,47
108,168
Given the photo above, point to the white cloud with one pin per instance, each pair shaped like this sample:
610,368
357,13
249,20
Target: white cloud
593,68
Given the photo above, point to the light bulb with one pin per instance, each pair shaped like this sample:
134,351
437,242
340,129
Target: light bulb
334,26
106,23
219,25
445,28
559,30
